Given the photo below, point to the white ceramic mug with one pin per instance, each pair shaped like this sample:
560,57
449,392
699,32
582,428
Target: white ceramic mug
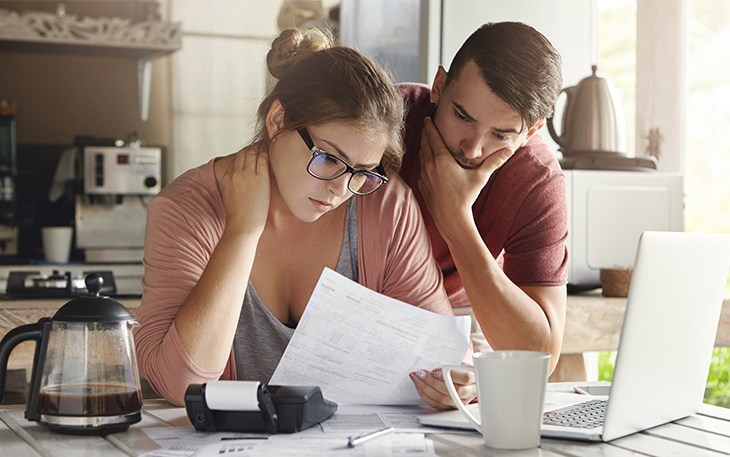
511,387
57,243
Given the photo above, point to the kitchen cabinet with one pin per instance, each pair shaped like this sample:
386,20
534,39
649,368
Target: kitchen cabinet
42,32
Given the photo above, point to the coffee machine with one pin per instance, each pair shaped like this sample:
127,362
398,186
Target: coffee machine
8,227
114,187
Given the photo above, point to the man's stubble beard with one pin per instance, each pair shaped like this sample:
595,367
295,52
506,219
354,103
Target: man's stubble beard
459,156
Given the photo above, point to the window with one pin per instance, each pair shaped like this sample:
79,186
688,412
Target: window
616,43
707,158
706,163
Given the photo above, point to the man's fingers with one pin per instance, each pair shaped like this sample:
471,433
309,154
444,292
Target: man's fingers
426,153
494,161
433,138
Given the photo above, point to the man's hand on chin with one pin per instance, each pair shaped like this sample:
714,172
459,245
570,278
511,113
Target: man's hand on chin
449,189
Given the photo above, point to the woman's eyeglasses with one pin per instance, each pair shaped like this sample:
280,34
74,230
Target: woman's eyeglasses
326,166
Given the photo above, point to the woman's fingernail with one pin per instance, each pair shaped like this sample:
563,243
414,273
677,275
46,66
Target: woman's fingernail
438,374
421,374
413,377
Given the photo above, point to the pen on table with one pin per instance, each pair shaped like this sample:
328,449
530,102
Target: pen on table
355,440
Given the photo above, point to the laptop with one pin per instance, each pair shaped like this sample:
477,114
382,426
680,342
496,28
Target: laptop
672,313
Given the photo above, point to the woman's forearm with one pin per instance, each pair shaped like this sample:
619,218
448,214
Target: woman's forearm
208,318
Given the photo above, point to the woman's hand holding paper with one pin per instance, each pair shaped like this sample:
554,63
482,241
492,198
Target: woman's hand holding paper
432,388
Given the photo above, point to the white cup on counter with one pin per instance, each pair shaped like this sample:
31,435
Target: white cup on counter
511,389
57,243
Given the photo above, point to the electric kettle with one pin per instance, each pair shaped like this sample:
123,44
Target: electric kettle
593,120
84,378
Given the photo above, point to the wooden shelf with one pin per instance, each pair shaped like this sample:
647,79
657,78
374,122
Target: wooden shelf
46,33
124,50
37,31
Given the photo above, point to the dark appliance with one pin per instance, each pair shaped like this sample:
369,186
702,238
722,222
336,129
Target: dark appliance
31,284
8,221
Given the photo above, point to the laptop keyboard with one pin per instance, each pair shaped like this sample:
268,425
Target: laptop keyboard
589,414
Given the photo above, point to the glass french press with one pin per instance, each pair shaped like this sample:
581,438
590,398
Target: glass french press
84,378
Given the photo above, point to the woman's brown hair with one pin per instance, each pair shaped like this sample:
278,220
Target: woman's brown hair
319,82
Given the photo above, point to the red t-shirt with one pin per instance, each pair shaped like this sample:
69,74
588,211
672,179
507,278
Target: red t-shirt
522,212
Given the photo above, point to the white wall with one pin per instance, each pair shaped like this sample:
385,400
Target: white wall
218,77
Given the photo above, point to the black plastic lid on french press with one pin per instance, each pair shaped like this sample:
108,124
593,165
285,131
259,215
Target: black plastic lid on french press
93,307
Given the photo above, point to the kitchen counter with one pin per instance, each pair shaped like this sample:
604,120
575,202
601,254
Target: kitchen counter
14,313
593,323
17,312
127,276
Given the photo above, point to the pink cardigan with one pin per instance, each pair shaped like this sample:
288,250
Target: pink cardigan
185,222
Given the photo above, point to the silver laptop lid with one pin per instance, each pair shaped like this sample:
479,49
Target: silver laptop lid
672,313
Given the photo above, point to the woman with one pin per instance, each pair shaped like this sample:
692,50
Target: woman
234,248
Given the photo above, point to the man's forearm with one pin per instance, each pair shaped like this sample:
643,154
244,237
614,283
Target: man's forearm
511,317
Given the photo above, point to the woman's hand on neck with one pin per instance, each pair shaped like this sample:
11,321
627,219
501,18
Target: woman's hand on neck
245,186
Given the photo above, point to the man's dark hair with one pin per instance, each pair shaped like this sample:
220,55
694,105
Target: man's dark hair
518,64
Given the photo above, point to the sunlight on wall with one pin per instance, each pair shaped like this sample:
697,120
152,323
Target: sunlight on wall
708,117
707,152
617,56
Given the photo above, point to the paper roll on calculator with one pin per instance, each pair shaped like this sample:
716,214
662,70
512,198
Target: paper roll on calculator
232,395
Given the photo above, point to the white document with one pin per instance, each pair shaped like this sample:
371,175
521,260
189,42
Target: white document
394,445
359,346
358,419
186,442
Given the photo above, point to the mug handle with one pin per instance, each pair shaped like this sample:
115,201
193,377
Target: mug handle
446,370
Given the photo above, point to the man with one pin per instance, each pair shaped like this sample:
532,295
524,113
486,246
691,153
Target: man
492,194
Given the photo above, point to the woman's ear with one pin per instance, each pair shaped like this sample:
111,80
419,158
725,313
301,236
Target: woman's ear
275,119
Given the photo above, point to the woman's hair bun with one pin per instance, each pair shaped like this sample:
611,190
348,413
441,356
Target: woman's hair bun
293,45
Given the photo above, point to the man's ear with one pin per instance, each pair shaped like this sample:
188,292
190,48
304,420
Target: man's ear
275,119
439,82
533,130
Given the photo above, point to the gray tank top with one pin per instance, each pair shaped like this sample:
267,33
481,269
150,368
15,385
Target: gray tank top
261,338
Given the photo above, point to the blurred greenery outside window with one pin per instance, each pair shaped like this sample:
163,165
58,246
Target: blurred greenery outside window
707,153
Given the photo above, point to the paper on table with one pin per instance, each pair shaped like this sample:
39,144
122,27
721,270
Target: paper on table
188,443
358,419
295,445
359,346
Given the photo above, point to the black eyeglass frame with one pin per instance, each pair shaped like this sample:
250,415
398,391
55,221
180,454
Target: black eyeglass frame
348,168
